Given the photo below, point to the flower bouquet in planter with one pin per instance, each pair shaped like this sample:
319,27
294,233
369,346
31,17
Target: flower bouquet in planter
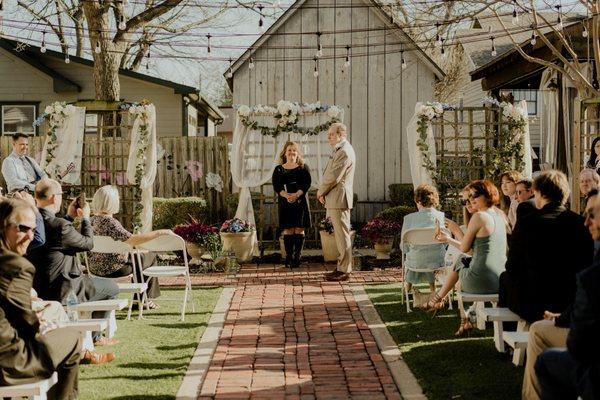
200,239
238,236
328,244
381,233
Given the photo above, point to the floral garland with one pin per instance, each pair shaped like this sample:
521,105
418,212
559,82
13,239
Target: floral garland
141,110
426,114
286,113
55,113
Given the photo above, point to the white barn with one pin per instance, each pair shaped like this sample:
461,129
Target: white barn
378,95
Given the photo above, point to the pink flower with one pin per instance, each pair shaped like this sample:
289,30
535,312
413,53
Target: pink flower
194,168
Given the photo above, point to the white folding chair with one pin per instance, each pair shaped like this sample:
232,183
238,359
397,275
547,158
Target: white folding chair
169,243
107,245
415,237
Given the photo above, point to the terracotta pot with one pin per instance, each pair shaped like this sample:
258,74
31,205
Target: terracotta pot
194,251
329,247
383,247
241,243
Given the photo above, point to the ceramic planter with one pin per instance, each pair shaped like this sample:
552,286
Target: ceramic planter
383,247
241,243
329,247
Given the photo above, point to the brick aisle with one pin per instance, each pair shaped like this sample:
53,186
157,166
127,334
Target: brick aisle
300,339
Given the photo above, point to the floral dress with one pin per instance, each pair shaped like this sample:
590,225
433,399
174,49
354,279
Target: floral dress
105,264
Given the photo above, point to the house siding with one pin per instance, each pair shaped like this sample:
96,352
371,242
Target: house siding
377,95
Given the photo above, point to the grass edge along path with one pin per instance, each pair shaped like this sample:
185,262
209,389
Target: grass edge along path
153,353
446,367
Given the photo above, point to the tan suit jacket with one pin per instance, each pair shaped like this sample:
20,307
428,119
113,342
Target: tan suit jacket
338,178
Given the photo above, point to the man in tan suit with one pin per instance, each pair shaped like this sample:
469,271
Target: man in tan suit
336,193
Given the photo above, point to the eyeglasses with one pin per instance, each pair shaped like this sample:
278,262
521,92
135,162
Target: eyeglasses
464,202
24,228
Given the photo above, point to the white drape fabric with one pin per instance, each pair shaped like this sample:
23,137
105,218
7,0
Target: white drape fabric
150,163
528,163
254,156
419,174
69,147
549,118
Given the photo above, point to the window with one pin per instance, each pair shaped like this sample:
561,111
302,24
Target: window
525,94
18,118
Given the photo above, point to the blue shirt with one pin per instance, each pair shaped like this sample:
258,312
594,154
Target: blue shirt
425,255
17,172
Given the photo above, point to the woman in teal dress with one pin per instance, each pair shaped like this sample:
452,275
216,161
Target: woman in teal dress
486,239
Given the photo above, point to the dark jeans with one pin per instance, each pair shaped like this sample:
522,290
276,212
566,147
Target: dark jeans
555,370
148,260
105,289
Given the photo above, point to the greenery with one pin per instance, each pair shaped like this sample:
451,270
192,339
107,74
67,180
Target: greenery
169,213
153,353
396,214
402,194
380,230
445,366
205,236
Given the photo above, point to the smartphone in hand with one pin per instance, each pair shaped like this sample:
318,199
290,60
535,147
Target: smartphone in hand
437,228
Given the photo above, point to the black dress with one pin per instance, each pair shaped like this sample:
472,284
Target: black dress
297,214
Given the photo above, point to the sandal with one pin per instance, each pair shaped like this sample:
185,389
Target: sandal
152,305
434,303
465,327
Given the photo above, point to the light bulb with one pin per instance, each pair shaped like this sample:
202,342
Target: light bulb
584,33
319,52
347,63
316,73
438,41
404,65
43,48
67,60
97,49
560,24
494,52
251,65
122,25
533,39
515,17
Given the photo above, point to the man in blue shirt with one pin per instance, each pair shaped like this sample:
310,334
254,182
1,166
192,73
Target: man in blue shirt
19,170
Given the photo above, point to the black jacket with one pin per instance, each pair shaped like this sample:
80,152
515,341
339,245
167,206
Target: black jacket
582,342
57,270
547,249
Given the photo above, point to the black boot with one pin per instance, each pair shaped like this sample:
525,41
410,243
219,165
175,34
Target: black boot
298,244
288,244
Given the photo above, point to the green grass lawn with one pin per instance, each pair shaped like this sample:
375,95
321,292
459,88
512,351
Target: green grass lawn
447,367
153,354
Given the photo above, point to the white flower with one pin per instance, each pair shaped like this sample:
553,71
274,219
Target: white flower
430,112
439,110
270,110
214,181
292,117
284,107
244,110
58,107
333,112
49,110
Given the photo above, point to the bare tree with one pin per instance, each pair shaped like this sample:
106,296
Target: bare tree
121,34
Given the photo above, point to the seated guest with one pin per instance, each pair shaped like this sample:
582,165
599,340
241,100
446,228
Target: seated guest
575,372
27,355
552,331
588,180
594,160
430,256
547,249
105,204
508,185
19,170
39,236
486,237
57,267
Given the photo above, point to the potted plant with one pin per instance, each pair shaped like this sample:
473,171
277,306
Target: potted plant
328,244
381,233
200,239
238,236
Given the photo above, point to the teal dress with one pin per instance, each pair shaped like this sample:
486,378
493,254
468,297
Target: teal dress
428,256
489,258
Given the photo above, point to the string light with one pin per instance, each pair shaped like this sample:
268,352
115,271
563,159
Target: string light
208,43
122,24
585,32
230,72
438,38
442,51
533,38
494,52
43,46
347,63
148,60
515,15
316,71
251,65
559,19
67,59
97,48
260,20
404,65
319,53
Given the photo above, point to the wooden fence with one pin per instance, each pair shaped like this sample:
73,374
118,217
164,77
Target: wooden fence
182,169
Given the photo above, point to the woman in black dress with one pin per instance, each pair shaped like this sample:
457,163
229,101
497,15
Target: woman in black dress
291,181
594,161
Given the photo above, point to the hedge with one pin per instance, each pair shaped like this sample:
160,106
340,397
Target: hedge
401,194
395,214
171,212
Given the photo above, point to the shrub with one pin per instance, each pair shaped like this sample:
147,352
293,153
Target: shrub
401,194
378,229
395,214
169,213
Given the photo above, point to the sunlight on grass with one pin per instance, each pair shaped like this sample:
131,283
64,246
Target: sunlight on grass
153,354
446,367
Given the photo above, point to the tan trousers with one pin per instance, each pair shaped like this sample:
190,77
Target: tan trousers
542,335
340,219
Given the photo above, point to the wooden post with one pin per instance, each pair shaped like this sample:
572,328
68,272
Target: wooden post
578,111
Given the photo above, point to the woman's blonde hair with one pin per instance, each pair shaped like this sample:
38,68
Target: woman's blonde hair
282,157
106,200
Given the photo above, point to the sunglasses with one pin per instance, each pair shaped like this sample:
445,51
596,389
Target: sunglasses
24,228
523,191
464,202
473,196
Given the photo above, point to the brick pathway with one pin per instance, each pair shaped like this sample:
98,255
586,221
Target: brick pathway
291,335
